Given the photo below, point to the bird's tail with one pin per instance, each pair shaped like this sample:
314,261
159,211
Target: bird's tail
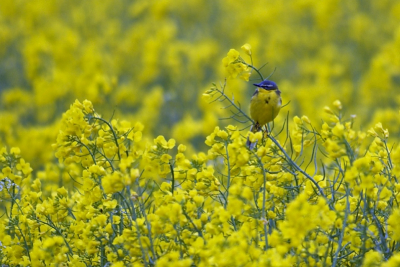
254,128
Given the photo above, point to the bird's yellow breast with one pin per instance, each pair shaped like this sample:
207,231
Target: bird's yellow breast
265,105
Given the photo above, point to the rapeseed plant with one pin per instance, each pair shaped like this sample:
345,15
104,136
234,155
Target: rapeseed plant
153,177
136,202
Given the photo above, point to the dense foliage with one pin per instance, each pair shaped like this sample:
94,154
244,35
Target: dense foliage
152,177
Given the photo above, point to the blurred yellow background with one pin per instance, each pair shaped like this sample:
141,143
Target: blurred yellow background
150,61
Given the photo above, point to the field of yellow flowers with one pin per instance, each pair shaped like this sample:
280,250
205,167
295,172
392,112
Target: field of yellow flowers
123,128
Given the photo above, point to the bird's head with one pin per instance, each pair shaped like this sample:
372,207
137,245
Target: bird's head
267,85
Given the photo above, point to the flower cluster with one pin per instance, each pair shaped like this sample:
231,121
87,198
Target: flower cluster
133,204
157,179
235,65
145,59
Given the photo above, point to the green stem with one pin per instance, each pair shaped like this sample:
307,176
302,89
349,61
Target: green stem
233,104
388,153
297,166
254,68
113,132
91,154
264,200
58,231
25,242
172,177
191,221
148,226
346,213
229,175
134,216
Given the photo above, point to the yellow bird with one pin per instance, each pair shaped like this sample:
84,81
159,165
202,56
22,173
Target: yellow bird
264,106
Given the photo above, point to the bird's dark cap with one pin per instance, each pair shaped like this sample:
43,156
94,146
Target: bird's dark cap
267,85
